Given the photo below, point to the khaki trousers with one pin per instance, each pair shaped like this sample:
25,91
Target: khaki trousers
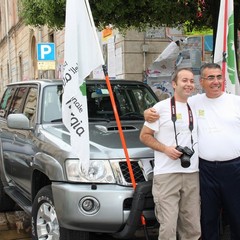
177,205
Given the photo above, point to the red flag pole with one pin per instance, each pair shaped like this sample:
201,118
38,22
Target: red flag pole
119,126
224,63
143,220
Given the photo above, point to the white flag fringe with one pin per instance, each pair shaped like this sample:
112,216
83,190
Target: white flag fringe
82,54
225,46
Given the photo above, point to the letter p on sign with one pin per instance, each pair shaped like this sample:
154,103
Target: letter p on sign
45,51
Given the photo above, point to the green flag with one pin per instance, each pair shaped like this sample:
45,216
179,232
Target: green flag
224,47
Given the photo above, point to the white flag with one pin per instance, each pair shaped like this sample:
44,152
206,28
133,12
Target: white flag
225,47
82,55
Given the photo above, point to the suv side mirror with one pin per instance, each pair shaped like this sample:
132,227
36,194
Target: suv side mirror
18,121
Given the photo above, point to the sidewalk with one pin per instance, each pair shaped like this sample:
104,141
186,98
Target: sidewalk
15,226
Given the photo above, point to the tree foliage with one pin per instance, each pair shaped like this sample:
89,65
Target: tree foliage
138,14
124,14
144,13
41,12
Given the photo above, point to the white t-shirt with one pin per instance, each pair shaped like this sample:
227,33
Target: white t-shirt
218,126
164,133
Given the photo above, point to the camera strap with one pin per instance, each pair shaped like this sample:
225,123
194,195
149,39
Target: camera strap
174,119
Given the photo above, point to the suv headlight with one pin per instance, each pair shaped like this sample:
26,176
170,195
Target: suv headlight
99,171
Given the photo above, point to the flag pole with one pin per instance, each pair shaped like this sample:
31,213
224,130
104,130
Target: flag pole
224,62
130,170
225,52
119,126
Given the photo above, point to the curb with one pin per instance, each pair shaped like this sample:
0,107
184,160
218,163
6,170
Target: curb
15,225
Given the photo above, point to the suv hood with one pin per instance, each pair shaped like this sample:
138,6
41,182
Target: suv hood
104,138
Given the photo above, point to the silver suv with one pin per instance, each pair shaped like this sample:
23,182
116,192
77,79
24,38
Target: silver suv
40,173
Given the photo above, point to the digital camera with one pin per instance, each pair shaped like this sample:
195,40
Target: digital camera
186,155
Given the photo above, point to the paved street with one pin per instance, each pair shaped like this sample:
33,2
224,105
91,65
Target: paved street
16,226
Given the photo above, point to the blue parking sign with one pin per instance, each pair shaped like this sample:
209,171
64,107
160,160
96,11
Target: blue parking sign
45,51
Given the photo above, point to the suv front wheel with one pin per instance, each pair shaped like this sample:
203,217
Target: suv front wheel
45,223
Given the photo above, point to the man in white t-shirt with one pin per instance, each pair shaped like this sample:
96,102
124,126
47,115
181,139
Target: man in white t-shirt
176,175
218,117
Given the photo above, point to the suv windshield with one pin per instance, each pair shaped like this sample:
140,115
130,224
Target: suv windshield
131,101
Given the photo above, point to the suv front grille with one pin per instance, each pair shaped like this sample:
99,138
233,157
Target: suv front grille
137,171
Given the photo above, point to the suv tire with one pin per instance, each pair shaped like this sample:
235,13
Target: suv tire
6,203
45,223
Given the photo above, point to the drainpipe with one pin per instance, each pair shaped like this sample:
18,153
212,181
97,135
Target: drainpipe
145,48
39,40
8,41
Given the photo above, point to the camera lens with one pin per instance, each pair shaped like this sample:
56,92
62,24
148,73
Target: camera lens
186,155
185,161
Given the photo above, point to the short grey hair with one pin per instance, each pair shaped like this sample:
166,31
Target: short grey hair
209,65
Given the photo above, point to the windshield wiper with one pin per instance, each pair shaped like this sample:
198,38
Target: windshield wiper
91,119
132,116
57,120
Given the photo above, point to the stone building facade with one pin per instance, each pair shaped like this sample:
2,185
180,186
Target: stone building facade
127,57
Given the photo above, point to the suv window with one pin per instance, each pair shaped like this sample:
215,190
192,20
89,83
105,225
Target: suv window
6,101
134,99
131,101
31,104
52,104
17,102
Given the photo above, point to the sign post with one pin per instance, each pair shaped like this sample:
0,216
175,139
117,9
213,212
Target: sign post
46,56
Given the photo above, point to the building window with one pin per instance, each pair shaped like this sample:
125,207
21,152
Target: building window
51,37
